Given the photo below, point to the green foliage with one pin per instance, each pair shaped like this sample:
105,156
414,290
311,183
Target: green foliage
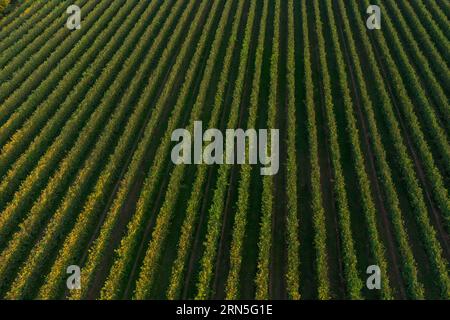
148,270
216,210
440,192
265,235
4,4
292,274
13,24
359,161
405,163
240,220
318,212
409,268
115,282
80,110
193,206
354,283
72,201
15,209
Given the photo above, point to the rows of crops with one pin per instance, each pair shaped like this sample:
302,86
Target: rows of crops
86,123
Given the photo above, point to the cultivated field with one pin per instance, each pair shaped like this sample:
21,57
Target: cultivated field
86,122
